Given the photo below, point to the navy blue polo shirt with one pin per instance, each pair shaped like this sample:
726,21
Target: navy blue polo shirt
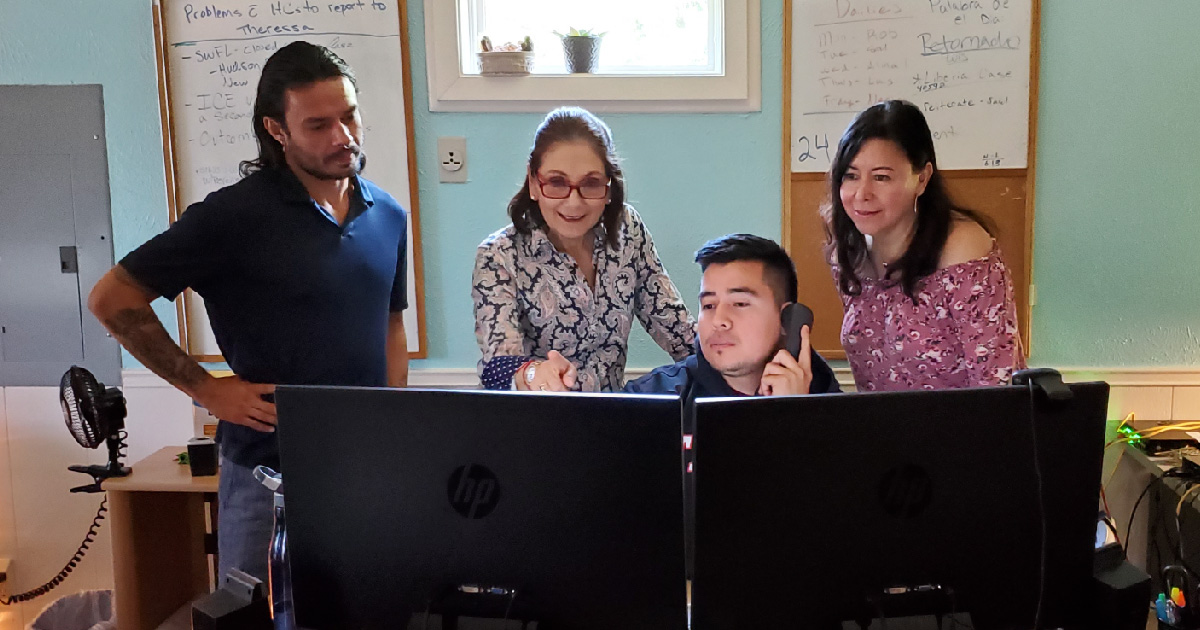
293,297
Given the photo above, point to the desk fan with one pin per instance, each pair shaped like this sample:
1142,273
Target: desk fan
94,414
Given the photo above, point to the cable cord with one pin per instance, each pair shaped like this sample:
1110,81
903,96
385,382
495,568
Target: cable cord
1108,517
1179,522
70,566
122,445
1132,513
1160,525
1037,470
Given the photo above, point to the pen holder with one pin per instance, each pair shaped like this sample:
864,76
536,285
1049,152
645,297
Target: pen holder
202,456
1186,619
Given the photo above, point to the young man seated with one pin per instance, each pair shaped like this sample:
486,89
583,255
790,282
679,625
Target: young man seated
747,281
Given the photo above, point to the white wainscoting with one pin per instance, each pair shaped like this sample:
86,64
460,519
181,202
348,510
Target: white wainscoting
1155,394
10,618
49,522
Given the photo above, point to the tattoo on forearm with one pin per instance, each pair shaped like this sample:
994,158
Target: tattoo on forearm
141,332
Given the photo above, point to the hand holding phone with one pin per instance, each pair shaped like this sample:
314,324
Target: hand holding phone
789,372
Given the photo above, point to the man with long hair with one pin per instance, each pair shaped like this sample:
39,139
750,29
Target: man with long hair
302,267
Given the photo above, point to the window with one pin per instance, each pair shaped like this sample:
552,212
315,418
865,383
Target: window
659,37
655,55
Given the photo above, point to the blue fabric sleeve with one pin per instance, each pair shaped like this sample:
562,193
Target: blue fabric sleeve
190,253
498,372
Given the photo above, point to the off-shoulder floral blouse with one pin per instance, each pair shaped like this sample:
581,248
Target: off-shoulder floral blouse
961,332
531,298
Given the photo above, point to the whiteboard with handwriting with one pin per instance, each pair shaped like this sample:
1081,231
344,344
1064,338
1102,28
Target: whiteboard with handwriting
965,63
214,53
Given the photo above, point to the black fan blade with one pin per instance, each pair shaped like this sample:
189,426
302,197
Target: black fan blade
79,392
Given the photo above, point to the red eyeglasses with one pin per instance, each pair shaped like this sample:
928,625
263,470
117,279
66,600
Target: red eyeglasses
560,188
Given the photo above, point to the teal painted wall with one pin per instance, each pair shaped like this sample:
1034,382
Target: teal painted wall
1117,184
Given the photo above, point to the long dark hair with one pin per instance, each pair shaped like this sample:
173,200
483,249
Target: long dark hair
299,63
903,124
567,124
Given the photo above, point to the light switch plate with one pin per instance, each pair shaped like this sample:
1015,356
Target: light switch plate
452,159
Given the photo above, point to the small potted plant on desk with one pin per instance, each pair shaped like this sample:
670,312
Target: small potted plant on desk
582,49
510,59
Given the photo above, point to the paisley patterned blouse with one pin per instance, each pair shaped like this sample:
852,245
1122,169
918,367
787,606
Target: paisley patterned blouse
962,331
531,298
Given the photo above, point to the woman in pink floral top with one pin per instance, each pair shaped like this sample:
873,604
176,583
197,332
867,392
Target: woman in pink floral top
928,299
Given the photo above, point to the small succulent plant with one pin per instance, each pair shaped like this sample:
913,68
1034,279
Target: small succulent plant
574,32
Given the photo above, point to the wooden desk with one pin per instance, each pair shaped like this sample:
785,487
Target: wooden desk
158,538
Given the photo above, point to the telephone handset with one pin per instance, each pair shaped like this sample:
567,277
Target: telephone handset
795,316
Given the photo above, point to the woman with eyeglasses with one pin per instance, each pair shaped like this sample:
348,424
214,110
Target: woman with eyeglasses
557,290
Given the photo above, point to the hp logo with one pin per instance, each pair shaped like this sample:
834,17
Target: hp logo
473,491
905,491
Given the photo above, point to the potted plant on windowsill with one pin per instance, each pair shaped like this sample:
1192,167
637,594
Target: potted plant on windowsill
582,49
511,59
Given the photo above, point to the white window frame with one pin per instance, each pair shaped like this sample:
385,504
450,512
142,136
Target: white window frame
738,90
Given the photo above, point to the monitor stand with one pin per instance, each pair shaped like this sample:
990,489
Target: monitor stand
474,607
451,622
956,621
923,607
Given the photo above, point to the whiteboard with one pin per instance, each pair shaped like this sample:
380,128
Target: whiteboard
214,52
965,63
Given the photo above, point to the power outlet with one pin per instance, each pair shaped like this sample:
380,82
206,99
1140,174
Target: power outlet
452,159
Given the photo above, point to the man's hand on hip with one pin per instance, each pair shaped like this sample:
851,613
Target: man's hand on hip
234,400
